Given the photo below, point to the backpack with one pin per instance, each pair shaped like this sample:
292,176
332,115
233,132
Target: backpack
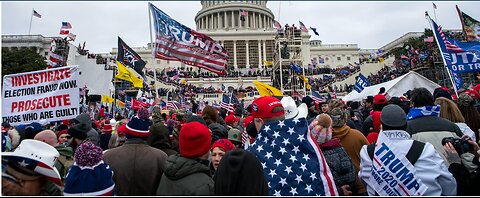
412,155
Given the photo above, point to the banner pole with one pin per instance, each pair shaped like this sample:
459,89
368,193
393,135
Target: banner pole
441,53
153,45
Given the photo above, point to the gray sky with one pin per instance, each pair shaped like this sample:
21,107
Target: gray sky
368,24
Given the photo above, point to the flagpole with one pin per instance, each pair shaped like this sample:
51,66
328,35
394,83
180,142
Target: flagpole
31,18
441,53
434,12
153,45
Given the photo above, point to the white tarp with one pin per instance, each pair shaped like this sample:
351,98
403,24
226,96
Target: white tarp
396,87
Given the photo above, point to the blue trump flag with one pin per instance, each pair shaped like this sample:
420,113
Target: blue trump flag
457,79
460,57
361,83
292,161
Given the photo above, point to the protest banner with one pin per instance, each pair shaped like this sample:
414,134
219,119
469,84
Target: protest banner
45,95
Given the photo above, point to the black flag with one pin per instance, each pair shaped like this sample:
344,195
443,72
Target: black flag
129,57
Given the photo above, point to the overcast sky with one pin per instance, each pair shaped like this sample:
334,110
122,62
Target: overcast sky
369,24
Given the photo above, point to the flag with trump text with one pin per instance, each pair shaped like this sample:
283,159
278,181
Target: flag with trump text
177,42
292,161
460,57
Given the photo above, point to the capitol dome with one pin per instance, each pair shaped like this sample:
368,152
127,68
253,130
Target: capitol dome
225,15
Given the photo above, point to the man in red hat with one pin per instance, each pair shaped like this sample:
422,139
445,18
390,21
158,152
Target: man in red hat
379,101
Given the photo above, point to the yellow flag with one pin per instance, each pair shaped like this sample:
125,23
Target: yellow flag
381,59
266,90
120,103
125,74
267,63
107,99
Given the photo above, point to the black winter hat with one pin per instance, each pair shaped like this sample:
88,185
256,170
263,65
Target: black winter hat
308,101
79,131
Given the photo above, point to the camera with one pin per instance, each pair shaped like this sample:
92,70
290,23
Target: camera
461,145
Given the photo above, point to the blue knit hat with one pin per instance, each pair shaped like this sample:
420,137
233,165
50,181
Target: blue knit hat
89,175
139,127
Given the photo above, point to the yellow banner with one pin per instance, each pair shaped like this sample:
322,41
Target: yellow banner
125,74
266,90
107,99
267,63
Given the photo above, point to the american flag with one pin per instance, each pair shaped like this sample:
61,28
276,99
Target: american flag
277,25
317,97
243,12
35,13
228,102
66,25
177,42
172,105
292,166
302,27
450,46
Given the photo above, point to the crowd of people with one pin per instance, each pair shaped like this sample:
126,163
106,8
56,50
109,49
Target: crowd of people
430,138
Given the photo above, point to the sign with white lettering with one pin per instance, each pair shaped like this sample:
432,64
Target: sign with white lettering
45,95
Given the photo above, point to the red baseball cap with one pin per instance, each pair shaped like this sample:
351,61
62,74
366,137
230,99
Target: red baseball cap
247,121
262,107
380,99
230,119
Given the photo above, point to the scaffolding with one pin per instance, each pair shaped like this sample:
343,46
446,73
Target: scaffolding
288,45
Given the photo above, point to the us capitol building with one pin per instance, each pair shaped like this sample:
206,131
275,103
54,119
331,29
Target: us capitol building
249,41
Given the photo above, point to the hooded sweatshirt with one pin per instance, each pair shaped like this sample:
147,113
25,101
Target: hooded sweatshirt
352,140
218,131
240,173
159,137
185,176
92,134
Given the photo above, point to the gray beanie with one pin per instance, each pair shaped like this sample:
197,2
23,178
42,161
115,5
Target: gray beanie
393,116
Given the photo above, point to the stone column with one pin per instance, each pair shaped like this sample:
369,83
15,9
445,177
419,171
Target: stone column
225,19
259,53
247,53
233,22
265,51
235,54
218,20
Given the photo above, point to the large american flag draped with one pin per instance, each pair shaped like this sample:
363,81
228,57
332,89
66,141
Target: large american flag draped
292,161
175,41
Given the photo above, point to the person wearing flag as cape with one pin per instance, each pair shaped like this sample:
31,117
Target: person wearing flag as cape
291,159
399,166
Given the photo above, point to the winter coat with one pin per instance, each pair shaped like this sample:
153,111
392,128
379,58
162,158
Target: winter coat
433,129
137,167
92,134
429,168
218,131
340,164
185,176
159,138
352,140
